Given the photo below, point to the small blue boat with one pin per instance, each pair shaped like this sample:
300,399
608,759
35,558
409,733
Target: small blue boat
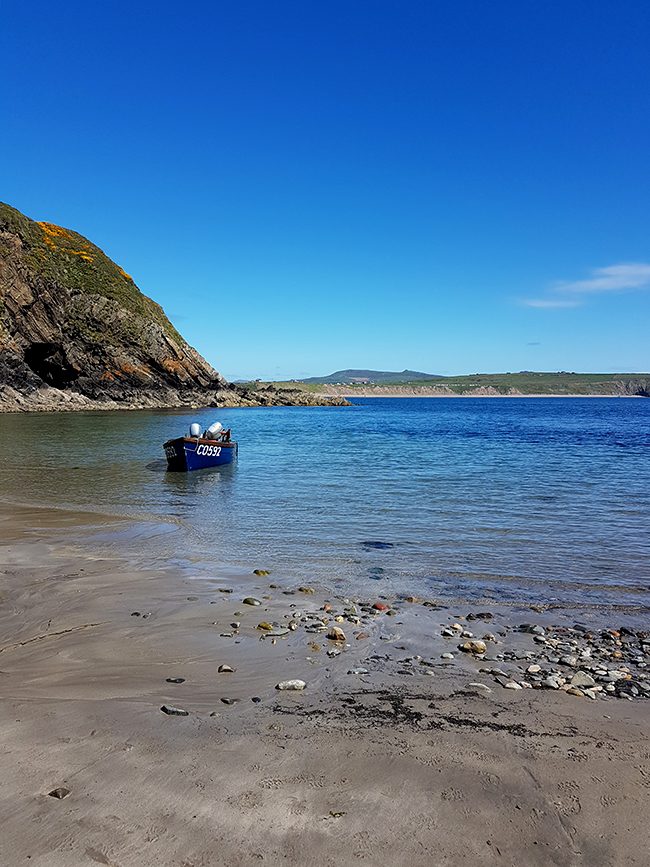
199,451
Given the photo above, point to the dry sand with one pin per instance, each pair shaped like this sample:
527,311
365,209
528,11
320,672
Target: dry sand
390,768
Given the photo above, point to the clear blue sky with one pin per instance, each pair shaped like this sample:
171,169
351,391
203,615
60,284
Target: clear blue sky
309,185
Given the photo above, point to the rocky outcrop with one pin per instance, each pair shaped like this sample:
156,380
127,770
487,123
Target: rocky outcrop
77,333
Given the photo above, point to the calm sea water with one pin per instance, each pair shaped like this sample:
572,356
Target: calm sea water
513,500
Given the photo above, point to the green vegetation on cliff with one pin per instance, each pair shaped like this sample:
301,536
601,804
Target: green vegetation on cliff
525,382
67,258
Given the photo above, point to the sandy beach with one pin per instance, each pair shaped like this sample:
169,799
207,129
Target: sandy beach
410,759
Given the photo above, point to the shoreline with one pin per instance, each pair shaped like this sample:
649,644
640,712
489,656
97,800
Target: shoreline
414,393
406,760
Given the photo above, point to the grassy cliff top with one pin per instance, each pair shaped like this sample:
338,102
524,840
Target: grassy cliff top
67,258
526,382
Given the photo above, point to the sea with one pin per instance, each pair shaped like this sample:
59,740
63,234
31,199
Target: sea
502,500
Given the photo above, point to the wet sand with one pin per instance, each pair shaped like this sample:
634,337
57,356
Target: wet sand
405,764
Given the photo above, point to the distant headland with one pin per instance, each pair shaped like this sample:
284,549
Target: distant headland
525,383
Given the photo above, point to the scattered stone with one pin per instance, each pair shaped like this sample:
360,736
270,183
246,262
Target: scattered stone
224,590
512,684
358,671
448,633
379,606
192,598
229,700
251,601
466,634
170,710
477,647
411,599
482,687
363,635
533,669
551,683
264,625
261,572
175,680
291,684
59,793
447,656
336,634
573,690
136,614
225,634
333,653
236,624
225,669
276,633
581,678
256,699
308,590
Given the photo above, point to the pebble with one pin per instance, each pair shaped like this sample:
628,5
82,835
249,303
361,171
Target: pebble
251,601
337,634
225,669
480,686
358,671
474,647
581,678
276,633
59,793
291,684
261,572
170,710
175,680
333,653
225,634
264,625
229,700
446,656
512,684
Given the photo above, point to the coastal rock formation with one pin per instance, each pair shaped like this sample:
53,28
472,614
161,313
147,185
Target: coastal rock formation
77,333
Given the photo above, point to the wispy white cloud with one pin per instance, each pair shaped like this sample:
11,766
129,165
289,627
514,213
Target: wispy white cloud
550,302
614,278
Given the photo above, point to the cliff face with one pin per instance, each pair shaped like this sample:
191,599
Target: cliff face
76,332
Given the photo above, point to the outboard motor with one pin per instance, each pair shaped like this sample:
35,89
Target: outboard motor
214,431
195,430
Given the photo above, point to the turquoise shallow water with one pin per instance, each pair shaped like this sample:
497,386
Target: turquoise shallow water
513,500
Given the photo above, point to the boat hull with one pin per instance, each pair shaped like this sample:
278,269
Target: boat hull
187,453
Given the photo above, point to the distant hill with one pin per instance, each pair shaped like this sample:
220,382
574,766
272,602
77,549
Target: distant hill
371,376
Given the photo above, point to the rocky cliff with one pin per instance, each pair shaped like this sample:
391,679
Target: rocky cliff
77,333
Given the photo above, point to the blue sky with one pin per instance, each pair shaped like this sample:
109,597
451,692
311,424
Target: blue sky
453,187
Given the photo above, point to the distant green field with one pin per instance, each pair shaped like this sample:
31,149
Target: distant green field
526,382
